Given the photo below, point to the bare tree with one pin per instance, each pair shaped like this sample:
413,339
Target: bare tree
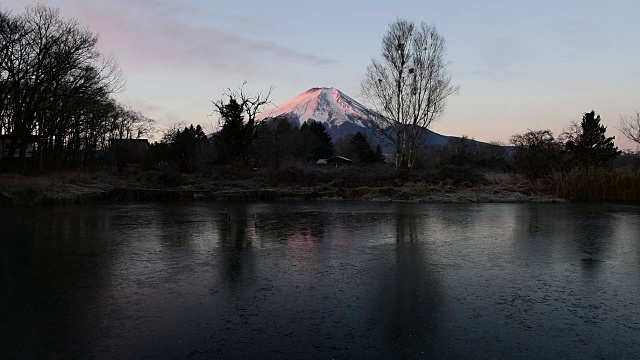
11,34
408,86
55,86
630,127
251,105
126,123
238,126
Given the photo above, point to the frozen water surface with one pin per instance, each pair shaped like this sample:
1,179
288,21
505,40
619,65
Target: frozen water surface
320,280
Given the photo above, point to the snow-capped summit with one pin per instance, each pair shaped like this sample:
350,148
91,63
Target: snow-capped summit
326,105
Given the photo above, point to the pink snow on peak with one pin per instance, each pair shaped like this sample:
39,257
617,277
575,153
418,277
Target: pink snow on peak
327,105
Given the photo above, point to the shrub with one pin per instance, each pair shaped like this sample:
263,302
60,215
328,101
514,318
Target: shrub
538,153
459,175
171,177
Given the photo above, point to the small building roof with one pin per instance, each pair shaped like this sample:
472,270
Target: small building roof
321,162
338,158
129,140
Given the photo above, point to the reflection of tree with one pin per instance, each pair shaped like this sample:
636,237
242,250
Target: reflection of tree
592,234
177,227
408,296
531,230
56,260
406,228
237,233
583,233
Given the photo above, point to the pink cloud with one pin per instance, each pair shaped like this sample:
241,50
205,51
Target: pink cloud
146,33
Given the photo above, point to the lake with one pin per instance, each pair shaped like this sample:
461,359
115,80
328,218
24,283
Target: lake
320,280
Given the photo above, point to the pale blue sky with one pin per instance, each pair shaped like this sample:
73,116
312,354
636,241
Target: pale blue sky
519,64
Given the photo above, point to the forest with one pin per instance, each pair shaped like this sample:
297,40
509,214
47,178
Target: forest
56,93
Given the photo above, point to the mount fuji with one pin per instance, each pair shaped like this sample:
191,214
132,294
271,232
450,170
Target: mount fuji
341,115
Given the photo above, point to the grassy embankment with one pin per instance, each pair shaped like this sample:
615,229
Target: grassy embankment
378,183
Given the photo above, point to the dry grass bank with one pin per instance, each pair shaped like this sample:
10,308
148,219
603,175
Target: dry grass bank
57,187
598,185
377,183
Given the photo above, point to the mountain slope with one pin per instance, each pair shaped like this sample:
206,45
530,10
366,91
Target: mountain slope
341,114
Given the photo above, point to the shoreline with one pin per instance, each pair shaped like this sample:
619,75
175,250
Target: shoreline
25,199
86,188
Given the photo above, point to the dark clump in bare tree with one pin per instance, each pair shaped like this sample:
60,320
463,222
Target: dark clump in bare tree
630,127
238,124
409,86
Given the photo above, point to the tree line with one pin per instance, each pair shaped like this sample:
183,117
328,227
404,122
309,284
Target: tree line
584,145
56,91
279,142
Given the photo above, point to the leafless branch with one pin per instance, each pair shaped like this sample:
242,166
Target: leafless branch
409,86
630,127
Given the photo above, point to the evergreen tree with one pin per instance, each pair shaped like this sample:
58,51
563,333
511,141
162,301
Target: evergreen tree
380,158
184,147
236,136
239,127
277,142
362,150
591,147
323,148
